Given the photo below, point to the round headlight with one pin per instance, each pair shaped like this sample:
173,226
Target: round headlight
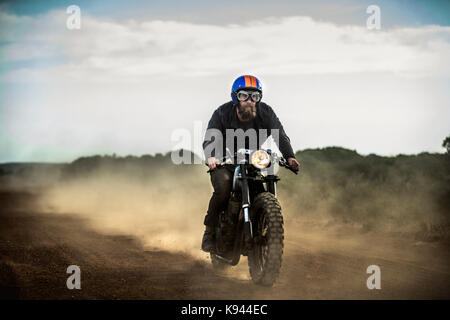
260,159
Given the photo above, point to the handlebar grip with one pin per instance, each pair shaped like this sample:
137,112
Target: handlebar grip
284,164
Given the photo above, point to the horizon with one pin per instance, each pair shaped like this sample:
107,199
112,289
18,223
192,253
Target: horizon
165,154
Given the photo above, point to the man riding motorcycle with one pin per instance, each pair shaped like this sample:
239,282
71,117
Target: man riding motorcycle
245,111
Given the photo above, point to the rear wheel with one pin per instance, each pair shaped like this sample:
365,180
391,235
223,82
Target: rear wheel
264,260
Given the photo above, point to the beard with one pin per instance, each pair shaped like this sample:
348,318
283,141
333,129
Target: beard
247,111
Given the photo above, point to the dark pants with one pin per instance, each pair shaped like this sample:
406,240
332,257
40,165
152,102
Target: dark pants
222,182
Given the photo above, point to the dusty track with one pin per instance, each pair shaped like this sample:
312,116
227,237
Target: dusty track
330,263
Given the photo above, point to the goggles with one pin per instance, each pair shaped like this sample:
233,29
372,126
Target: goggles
245,95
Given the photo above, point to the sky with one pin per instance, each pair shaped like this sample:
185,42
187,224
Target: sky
138,72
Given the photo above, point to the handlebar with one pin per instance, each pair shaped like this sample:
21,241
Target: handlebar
218,165
281,161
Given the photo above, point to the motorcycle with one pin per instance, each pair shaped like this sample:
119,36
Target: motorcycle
252,223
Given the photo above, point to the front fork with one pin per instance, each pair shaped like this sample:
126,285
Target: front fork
246,204
271,181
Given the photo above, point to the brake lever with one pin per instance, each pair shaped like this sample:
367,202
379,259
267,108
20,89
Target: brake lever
288,167
283,163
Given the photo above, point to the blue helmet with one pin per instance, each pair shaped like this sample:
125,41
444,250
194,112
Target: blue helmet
245,82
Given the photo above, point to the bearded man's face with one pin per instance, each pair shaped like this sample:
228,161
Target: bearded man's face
247,110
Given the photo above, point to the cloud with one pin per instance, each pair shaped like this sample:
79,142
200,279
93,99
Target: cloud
104,50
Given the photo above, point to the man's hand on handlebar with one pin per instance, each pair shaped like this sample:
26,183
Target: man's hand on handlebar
212,163
293,164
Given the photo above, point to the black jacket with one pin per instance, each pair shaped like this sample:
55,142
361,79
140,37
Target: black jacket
225,117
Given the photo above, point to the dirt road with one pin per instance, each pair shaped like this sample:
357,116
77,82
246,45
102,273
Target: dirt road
319,263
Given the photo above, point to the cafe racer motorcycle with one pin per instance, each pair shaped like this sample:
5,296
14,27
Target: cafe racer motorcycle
252,223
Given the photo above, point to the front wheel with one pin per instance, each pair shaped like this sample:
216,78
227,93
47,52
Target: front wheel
264,260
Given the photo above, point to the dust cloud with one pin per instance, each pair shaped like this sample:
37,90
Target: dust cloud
164,205
163,212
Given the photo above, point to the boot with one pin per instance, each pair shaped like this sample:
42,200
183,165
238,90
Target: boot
208,241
